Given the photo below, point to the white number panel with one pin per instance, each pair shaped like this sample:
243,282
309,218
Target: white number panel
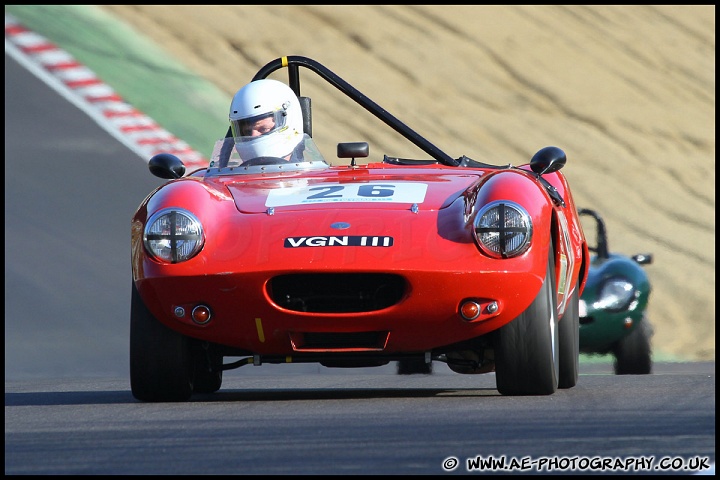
348,193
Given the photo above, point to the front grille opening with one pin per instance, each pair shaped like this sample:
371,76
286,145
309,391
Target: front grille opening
337,293
339,341
332,341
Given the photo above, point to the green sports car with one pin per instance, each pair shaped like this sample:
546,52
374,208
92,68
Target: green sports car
613,305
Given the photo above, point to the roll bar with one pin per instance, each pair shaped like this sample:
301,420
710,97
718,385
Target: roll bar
293,62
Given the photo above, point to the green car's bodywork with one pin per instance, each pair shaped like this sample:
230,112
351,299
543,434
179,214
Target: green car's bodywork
613,306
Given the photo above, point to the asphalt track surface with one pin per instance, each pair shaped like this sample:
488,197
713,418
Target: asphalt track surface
70,189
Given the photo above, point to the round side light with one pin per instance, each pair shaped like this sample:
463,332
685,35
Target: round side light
201,314
470,310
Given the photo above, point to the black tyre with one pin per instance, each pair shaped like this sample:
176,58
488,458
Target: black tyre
633,353
526,349
161,362
569,327
410,366
208,372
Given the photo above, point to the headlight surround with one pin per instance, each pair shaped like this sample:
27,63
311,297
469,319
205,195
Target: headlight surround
616,294
173,235
502,229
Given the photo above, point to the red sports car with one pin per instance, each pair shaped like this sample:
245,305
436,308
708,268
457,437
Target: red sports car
414,261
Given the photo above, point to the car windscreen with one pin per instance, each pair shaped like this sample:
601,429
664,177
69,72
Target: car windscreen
225,160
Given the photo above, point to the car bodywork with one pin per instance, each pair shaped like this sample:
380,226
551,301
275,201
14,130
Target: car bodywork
613,306
409,260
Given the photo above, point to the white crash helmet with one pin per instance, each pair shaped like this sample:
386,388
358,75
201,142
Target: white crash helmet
258,100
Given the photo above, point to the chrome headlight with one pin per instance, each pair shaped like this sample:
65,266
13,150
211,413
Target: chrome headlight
615,294
503,229
173,235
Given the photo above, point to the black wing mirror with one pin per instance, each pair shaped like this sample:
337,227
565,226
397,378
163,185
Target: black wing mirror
166,165
548,160
353,150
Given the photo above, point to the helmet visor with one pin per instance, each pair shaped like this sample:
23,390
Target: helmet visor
249,128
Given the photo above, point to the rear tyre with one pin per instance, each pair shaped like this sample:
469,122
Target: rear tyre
569,327
633,353
410,366
526,349
161,363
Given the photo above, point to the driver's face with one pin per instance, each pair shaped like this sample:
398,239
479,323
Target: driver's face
259,127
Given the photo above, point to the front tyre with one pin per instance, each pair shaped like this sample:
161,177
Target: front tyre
208,372
633,355
161,361
569,327
526,349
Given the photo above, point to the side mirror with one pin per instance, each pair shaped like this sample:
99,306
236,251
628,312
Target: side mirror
353,150
166,165
548,160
